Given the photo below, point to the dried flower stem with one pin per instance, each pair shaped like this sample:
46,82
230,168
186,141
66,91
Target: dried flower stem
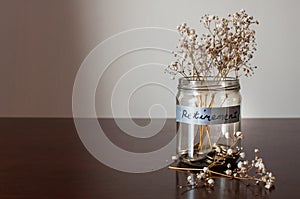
201,132
242,170
208,136
214,172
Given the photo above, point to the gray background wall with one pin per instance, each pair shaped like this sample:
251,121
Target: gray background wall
44,42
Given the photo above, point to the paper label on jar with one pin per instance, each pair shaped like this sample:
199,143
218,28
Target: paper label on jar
207,116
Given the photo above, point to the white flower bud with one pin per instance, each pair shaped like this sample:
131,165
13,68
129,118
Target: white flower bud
240,165
261,165
239,133
210,181
244,170
228,172
218,149
268,186
190,180
201,175
242,154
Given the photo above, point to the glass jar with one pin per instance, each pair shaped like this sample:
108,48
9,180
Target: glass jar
208,116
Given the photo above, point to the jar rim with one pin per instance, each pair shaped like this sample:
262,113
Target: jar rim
210,83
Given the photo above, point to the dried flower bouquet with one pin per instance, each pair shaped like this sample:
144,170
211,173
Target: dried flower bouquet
223,53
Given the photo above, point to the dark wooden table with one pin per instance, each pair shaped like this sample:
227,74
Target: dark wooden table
44,158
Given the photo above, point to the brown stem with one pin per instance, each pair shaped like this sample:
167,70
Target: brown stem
214,172
206,126
201,137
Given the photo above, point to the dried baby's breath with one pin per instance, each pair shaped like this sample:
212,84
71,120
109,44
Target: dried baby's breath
224,51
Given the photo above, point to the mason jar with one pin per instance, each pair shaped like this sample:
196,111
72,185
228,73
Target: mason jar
208,116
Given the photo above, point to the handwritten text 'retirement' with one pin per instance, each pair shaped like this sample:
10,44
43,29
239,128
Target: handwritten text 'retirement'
204,116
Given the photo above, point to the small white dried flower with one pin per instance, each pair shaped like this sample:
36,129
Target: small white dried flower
242,154
228,172
268,186
201,175
258,162
210,181
229,151
256,151
240,165
190,179
244,170
238,134
218,149
261,166
205,169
